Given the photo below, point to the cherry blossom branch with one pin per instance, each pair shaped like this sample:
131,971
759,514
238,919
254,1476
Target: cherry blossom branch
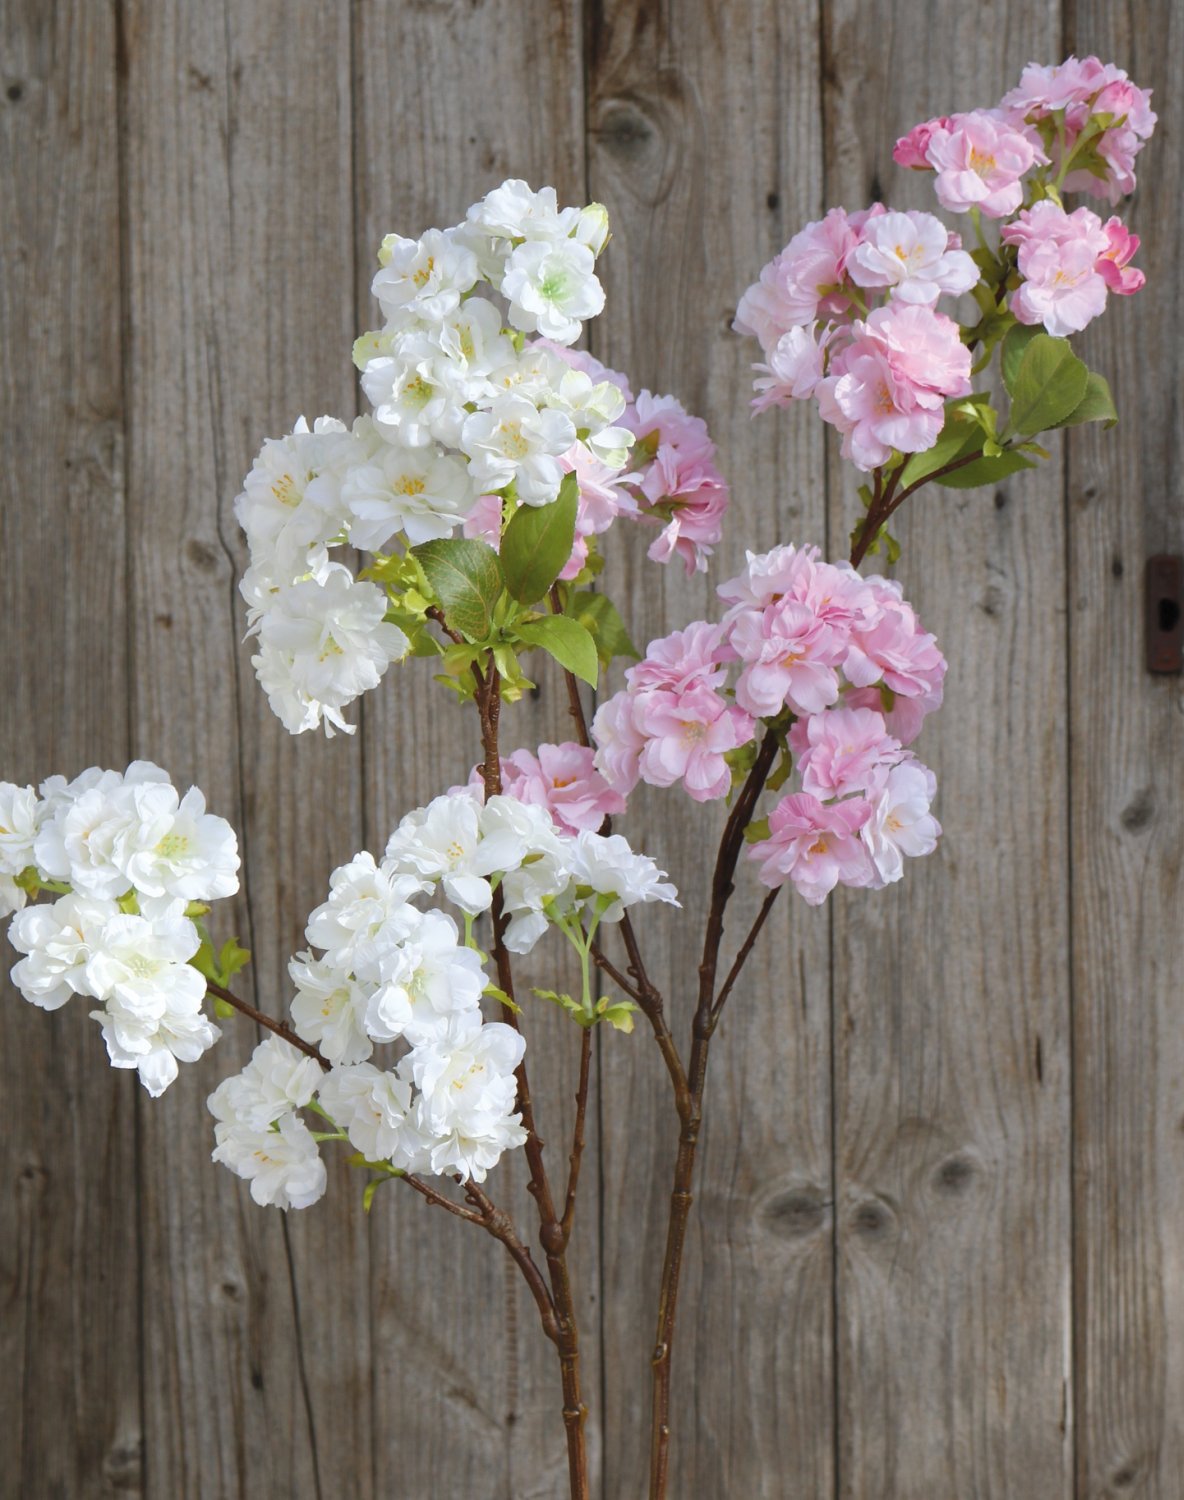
280,1028
577,1141
885,502
746,948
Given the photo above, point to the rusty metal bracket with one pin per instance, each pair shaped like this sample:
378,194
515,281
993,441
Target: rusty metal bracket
1164,605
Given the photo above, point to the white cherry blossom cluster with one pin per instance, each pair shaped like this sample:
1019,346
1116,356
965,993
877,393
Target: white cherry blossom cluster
390,974
125,856
465,409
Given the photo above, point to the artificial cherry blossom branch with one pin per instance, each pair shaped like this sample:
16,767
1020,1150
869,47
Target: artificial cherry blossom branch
280,1028
577,1142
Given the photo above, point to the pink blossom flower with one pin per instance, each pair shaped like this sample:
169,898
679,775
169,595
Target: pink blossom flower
802,283
896,652
912,150
911,254
980,161
564,780
767,577
789,658
900,823
797,362
1119,276
1063,287
888,387
677,481
687,737
681,659
903,717
603,496
815,846
619,742
838,751
484,522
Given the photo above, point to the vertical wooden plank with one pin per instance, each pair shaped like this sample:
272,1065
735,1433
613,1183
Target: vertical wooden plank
70,1420
451,99
240,228
951,995
1127,770
705,145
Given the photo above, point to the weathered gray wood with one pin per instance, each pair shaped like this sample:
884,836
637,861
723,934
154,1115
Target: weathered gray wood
70,1420
452,99
951,989
705,144
238,222
1126,793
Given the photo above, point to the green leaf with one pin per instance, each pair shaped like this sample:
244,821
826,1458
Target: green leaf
368,1192
223,1009
566,640
619,1015
600,618
232,959
1012,353
1049,385
538,543
961,433
466,578
1097,405
986,471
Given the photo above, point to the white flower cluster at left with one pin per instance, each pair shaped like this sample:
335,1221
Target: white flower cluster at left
390,974
125,855
465,409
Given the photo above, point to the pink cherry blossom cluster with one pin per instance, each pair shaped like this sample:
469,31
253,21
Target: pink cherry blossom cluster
980,160
1087,90
671,482
564,780
800,635
882,378
1069,263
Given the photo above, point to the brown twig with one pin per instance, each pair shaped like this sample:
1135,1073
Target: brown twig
746,948
577,1139
885,502
280,1028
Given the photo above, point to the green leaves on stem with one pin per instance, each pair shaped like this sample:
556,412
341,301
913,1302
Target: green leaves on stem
466,578
538,543
219,967
566,640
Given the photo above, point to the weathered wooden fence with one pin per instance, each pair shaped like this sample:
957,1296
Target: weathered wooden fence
937,1252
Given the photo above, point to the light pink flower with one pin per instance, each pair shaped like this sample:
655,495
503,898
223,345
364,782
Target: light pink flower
895,651
687,736
888,387
797,362
1063,287
484,522
911,254
767,577
676,479
912,150
564,780
603,496
789,657
1113,264
980,161
681,659
619,742
838,751
900,823
802,283
815,846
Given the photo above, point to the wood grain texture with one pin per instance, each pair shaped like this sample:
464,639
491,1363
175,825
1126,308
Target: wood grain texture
952,1102
452,99
240,259
70,1421
1126,794
704,143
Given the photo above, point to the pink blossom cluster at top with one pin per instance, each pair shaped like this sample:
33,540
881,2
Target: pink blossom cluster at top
847,658
671,482
881,379
1069,263
1085,89
564,780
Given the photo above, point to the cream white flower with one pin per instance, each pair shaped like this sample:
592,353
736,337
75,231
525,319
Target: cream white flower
330,1009
181,1034
418,397
278,1078
368,912
515,211
423,278
283,1164
610,868
175,850
428,979
418,491
468,1091
375,1110
290,507
88,826
20,818
444,842
552,288
58,940
142,964
513,440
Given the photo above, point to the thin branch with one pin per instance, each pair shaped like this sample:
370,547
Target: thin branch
434,612
609,968
280,1028
438,1200
577,1140
745,949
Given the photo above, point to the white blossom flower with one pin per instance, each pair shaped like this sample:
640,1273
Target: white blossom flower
900,823
423,278
290,506
58,940
142,964
20,818
467,1092
88,825
513,440
610,868
367,913
323,644
375,1110
330,1009
552,287
419,491
428,979
443,841
175,851
515,211
282,1164
594,407
278,1078
418,397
